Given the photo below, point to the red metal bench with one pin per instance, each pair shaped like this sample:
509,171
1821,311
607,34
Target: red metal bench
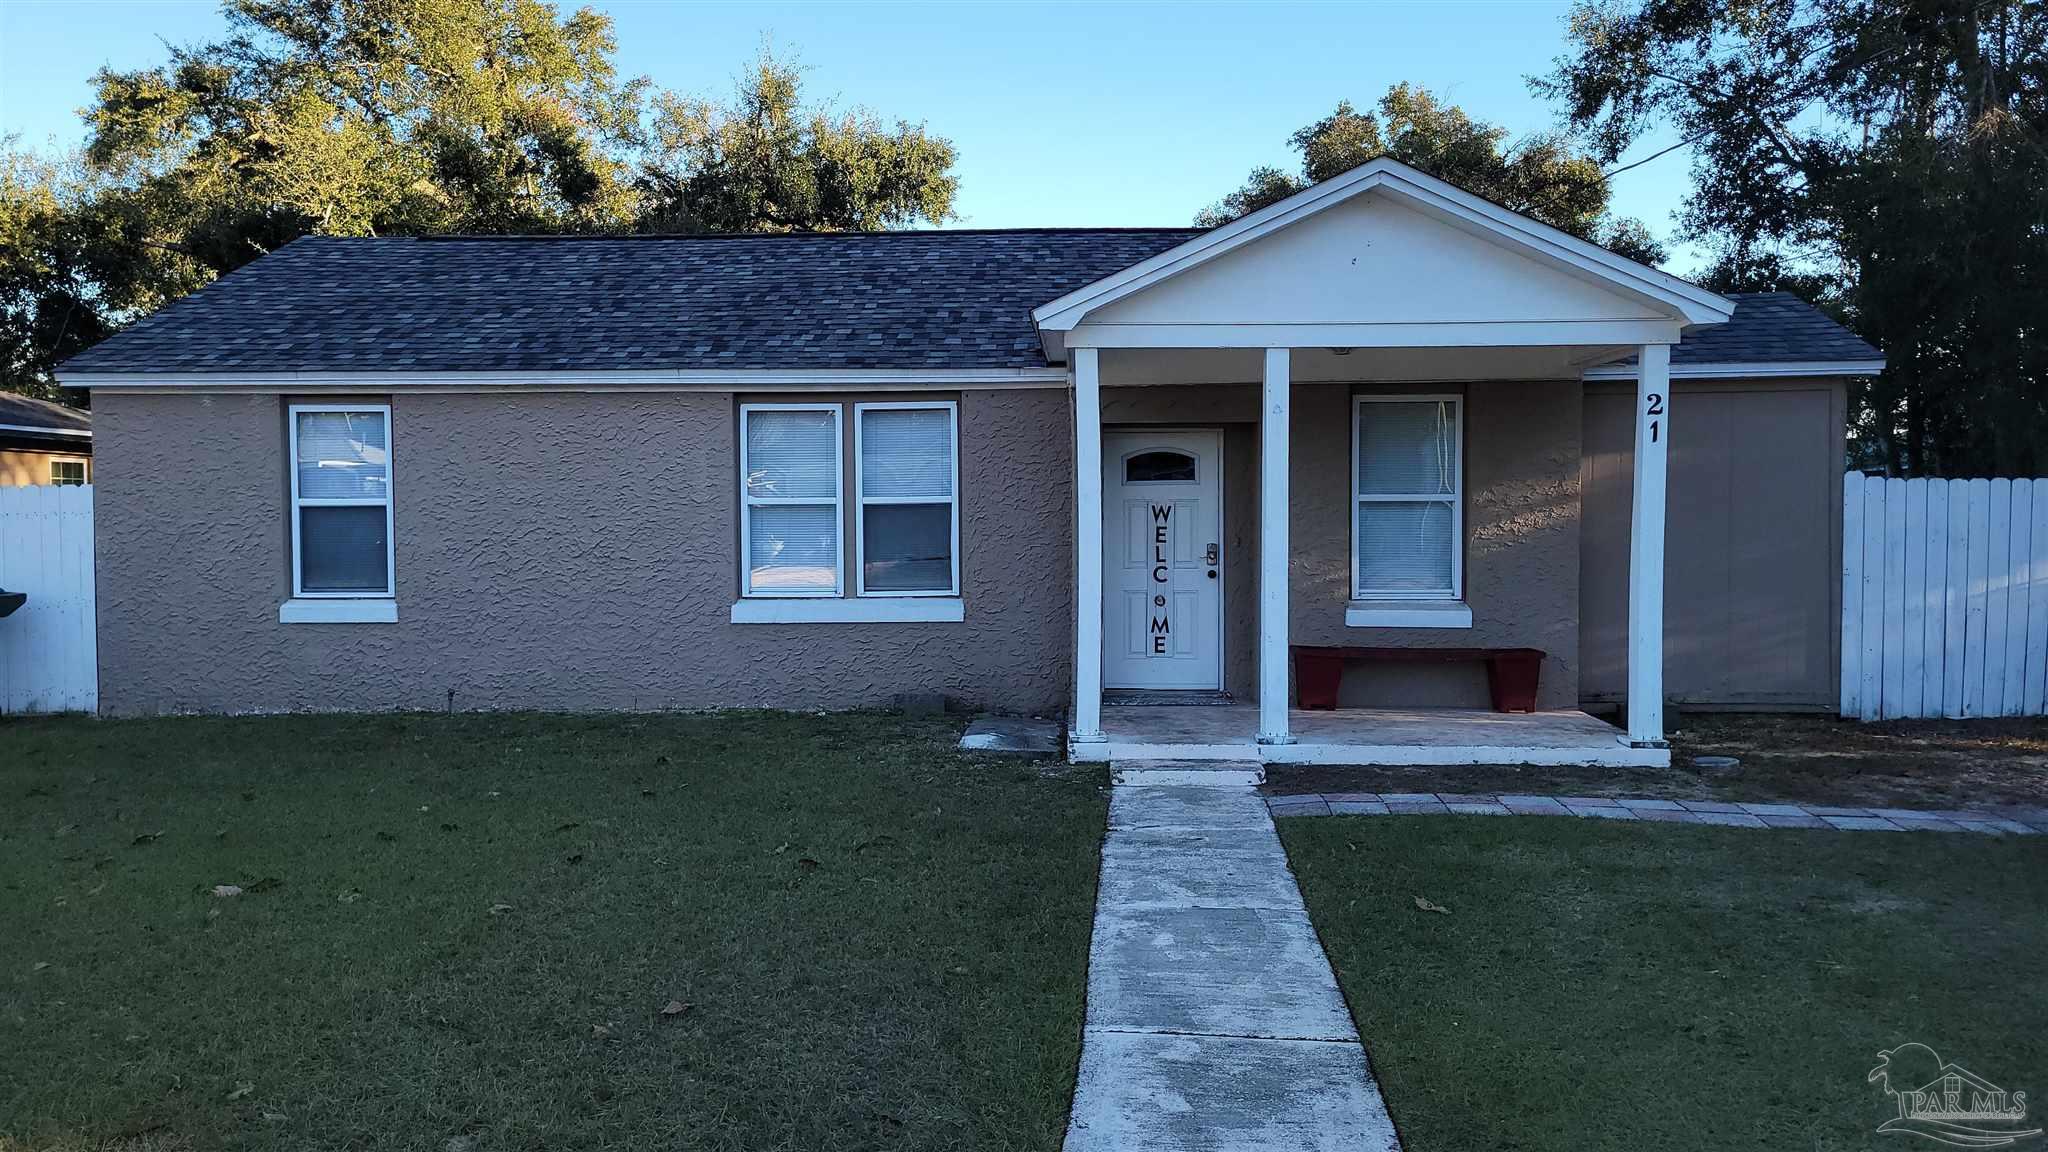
1511,673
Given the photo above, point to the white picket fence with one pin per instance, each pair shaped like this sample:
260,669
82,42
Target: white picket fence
1944,597
49,660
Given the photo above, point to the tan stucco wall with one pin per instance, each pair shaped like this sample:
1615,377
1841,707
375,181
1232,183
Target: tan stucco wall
578,551
22,468
1521,541
1521,531
554,550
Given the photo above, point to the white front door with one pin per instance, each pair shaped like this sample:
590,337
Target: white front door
1162,578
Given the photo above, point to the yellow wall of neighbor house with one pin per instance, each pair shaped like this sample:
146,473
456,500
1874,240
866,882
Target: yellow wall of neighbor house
18,469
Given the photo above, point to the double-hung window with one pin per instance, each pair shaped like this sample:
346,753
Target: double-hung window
1407,492
67,472
790,485
897,533
909,514
341,501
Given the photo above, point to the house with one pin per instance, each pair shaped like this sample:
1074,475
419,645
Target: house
43,443
1023,468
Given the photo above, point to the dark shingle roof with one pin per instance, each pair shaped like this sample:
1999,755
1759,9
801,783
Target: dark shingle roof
27,412
949,299
959,299
1772,327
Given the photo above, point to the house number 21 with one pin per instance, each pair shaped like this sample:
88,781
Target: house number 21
1656,408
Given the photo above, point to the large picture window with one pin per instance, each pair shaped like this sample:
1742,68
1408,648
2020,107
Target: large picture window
790,488
909,512
341,500
1407,498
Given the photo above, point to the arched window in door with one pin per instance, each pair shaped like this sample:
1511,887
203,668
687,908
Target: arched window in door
1159,467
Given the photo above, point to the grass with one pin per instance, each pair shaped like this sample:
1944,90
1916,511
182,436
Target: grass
1597,986
1784,758
461,932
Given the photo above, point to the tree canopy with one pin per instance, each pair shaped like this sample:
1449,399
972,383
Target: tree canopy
405,117
1889,155
1544,176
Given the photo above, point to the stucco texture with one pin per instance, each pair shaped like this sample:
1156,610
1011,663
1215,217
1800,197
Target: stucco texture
1522,443
554,550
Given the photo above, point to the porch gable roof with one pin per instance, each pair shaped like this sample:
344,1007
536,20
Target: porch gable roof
1559,269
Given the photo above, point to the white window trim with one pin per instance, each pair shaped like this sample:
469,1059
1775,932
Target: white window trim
748,501
851,610
1407,614
862,499
85,470
338,612
1457,593
389,501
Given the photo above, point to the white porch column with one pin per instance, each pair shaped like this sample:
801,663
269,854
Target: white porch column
1273,408
1646,549
1087,548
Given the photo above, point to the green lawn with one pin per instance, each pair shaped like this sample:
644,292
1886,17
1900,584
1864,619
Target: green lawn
1604,986
461,932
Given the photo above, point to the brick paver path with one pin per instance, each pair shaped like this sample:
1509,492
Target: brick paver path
2003,822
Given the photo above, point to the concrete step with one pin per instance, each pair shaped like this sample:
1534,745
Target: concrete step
1212,773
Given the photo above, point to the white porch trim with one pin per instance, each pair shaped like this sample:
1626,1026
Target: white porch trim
1458,334
1273,511
1744,369
1087,549
1391,736
1646,550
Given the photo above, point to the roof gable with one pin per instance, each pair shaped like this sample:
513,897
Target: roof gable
1419,242
1372,256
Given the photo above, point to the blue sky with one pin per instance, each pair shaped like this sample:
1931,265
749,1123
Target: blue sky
1129,114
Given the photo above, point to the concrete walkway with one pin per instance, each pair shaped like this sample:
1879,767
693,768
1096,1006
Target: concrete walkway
1214,1021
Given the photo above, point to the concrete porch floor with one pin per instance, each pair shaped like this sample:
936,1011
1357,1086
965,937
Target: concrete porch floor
1366,736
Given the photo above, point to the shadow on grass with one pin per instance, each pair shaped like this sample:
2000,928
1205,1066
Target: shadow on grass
467,928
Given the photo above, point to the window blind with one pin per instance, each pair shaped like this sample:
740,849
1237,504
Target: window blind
907,515
792,498
341,496
1408,479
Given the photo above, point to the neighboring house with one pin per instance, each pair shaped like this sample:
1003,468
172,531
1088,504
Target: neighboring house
43,443
1016,467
